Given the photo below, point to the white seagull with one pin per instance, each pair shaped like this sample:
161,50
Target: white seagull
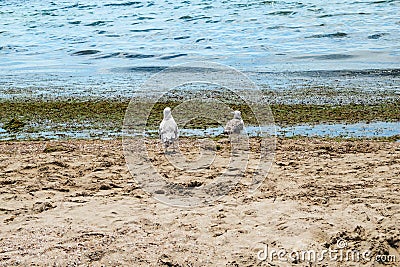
168,130
235,125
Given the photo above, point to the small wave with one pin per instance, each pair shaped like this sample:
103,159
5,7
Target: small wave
207,7
213,21
377,36
145,18
14,48
343,14
124,4
79,6
200,39
379,72
85,52
139,69
48,13
383,1
97,23
186,17
109,56
190,18
278,27
282,13
75,22
328,57
181,37
70,6
336,73
172,56
138,56
329,35
147,30
125,55
154,69
268,2
242,5
86,6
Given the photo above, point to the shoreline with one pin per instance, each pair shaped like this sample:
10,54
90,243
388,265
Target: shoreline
33,117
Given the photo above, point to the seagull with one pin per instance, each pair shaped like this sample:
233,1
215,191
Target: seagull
168,130
235,125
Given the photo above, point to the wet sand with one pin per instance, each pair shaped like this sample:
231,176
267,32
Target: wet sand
70,203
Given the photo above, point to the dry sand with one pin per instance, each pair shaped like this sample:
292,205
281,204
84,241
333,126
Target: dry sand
74,203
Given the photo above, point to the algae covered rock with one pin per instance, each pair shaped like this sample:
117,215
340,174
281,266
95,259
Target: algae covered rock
14,125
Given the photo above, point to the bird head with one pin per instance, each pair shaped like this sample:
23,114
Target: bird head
237,114
167,113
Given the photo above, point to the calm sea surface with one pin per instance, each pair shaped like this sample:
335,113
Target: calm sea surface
105,47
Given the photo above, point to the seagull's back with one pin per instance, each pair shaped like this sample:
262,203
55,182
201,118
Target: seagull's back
235,125
168,130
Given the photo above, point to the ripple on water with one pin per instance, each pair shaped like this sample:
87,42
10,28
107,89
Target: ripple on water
329,35
328,57
145,18
98,23
181,37
193,18
75,22
85,52
124,4
358,34
282,13
172,56
377,35
125,55
382,1
146,30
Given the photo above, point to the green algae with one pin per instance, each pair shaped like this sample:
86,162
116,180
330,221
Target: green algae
14,125
109,114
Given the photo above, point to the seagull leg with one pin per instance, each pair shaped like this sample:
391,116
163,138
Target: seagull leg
165,149
158,146
173,147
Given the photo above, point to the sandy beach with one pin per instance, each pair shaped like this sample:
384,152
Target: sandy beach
74,203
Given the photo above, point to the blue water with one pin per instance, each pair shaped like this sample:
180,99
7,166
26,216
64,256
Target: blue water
355,130
98,36
106,48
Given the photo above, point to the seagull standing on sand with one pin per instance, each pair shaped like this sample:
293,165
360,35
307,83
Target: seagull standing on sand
168,130
235,125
